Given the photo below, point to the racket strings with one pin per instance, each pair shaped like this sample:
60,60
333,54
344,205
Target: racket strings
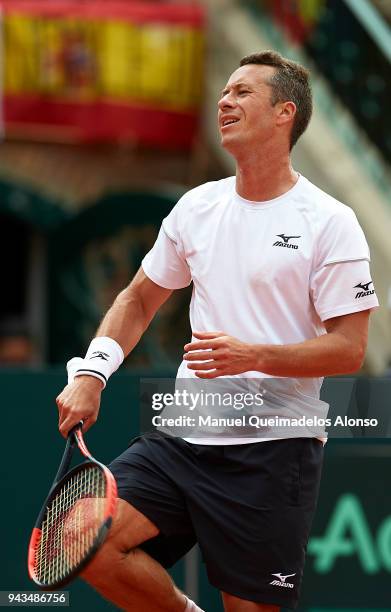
71,525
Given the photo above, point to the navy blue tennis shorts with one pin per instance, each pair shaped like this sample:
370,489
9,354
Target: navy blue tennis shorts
249,507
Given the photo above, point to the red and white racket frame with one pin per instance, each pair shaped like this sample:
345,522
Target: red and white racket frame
75,438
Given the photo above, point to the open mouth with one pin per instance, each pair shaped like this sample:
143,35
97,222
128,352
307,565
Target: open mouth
228,122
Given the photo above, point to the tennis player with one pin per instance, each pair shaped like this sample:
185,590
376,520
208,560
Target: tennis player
281,288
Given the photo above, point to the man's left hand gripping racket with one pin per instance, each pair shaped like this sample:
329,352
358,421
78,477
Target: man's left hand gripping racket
74,519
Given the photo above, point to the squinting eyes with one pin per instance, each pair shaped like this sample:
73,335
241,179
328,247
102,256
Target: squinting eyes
240,93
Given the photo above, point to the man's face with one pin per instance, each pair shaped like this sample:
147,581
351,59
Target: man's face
245,113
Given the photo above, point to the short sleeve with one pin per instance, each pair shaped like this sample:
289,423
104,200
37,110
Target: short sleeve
343,288
341,280
165,263
341,239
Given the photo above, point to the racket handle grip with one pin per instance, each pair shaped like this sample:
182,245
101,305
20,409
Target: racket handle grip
74,429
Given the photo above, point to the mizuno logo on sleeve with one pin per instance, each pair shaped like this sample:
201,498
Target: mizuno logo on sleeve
364,289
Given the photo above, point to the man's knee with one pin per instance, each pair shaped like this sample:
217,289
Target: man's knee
109,564
129,529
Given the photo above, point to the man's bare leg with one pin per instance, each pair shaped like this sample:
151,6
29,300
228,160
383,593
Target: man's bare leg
125,574
235,604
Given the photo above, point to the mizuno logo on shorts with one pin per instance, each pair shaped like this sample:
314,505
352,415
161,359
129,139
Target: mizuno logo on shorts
284,242
281,581
364,290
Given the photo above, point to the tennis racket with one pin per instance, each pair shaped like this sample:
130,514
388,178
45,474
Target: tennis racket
74,520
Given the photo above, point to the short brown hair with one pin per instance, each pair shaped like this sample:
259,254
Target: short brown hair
290,82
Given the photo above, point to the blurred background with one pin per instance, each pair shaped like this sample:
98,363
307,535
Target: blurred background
107,115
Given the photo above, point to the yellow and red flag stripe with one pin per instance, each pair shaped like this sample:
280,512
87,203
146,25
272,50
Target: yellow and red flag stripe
103,71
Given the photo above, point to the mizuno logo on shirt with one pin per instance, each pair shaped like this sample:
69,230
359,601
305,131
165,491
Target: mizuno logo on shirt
284,242
364,290
281,581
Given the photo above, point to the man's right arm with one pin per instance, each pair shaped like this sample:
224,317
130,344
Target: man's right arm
125,322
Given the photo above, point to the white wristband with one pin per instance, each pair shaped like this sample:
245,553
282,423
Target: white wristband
103,358
73,365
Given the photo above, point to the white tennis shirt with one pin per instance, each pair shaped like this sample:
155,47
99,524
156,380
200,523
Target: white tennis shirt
264,272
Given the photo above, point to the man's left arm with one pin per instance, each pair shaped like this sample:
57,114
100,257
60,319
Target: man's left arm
340,351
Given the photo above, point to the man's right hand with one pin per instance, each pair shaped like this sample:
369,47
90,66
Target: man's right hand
79,401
